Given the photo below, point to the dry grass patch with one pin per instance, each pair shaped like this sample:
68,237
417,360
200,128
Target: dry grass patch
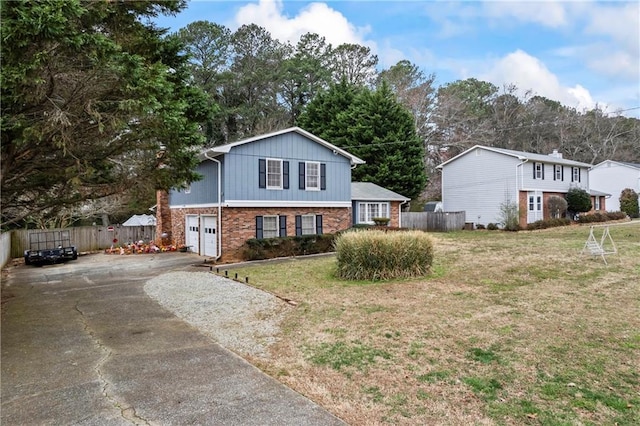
508,328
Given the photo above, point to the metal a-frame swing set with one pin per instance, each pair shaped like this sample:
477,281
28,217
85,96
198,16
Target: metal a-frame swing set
600,248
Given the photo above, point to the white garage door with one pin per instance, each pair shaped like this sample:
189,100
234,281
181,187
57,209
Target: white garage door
208,235
193,233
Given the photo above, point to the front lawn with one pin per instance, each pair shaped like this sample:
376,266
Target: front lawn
509,328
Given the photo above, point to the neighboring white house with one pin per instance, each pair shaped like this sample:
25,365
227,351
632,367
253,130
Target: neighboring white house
614,176
481,179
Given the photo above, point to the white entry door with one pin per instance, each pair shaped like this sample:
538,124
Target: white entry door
208,236
534,206
193,233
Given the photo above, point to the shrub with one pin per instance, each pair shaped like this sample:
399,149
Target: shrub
381,221
578,200
616,215
549,223
377,255
597,216
510,216
480,226
270,248
629,202
557,206
492,226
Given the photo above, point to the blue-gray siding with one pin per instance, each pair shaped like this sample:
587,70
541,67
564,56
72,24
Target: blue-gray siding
241,170
204,191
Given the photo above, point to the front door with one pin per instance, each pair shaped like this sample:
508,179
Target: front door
193,233
534,206
208,236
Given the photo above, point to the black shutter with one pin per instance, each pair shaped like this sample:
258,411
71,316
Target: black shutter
283,226
542,171
262,173
534,170
285,174
259,227
562,172
301,177
555,171
579,174
298,225
323,176
319,224
572,174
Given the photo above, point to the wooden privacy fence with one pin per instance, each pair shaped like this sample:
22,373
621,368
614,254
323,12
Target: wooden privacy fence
434,221
87,238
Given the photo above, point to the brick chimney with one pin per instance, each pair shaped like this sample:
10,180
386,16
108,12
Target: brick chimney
163,218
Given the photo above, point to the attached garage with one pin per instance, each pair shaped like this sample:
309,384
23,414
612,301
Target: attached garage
193,233
208,236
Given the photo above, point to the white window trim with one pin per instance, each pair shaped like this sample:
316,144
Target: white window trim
363,209
264,226
278,160
313,224
575,174
307,175
558,172
538,167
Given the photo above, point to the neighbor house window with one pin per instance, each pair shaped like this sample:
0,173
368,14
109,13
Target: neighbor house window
596,203
187,190
557,170
575,174
312,176
367,211
538,171
309,224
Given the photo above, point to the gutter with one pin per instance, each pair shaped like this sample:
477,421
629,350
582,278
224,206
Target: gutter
400,212
524,160
219,216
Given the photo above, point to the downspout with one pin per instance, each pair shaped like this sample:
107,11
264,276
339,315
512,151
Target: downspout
219,216
400,213
521,185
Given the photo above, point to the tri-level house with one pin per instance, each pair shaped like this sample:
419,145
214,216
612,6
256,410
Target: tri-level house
284,183
481,179
613,177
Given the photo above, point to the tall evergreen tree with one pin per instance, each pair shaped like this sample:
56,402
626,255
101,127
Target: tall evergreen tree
95,101
374,126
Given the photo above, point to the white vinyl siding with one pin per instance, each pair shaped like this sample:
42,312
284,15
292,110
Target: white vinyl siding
270,226
367,211
274,173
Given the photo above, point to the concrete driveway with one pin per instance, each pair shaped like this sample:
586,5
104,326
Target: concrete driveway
83,344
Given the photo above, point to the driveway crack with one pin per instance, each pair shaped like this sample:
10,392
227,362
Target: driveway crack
127,412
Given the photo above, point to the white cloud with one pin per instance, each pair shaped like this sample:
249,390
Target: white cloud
529,73
316,18
548,13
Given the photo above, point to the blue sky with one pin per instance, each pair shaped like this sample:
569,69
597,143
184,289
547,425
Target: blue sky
581,53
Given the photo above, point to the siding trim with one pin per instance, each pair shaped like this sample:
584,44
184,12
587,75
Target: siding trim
276,203
193,206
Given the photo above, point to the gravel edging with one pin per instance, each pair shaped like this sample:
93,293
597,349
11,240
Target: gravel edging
239,317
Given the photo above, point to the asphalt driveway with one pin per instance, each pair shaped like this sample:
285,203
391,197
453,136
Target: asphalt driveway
83,344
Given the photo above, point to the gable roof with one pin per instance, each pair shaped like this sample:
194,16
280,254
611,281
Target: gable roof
521,155
368,191
223,149
622,163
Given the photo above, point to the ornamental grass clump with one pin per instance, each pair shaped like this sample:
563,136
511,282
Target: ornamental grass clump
378,255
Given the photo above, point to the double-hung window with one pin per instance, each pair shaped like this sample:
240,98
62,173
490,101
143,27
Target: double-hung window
538,170
575,174
367,211
557,170
274,173
312,176
309,224
269,226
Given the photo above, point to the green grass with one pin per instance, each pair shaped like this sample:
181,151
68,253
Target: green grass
517,328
